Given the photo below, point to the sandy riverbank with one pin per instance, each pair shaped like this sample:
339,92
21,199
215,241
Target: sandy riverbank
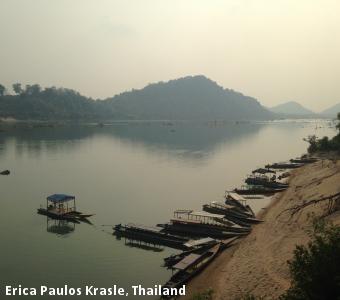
258,263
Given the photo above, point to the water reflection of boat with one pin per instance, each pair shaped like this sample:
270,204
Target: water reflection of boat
60,227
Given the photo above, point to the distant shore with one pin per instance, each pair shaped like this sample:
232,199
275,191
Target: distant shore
257,265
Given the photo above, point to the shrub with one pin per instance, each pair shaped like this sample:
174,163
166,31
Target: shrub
206,295
315,268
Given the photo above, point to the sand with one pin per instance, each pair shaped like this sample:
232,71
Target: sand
258,263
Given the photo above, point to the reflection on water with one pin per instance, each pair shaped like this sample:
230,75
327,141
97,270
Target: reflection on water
60,227
187,140
123,173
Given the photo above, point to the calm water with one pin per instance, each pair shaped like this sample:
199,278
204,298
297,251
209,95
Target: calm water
122,173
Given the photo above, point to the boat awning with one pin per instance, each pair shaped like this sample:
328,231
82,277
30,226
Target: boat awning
194,243
145,228
236,197
221,205
60,198
206,215
187,261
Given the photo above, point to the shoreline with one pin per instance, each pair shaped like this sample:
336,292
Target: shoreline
257,264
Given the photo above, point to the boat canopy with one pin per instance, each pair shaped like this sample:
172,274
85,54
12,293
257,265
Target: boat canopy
195,243
60,198
144,228
187,261
236,196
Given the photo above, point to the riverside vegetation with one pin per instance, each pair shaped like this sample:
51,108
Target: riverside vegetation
325,144
188,98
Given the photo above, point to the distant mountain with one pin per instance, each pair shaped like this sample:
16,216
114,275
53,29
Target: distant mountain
188,98
332,111
292,108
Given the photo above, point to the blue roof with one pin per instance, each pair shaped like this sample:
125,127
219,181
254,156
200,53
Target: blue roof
60,198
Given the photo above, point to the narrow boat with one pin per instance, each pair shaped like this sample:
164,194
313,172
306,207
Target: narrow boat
284,165
192,229
258,190
202,219
263,171
175,258
150,234
264,181
237,217
190,266
304,160
232,198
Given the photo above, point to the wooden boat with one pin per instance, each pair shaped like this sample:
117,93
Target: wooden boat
194,230
53,215
222,209
201,219
175,258
237,217
263,171
304,160
5,172
258,190
232,198
62,207
80,215
227,209
190,266
150,234
264,181
284,165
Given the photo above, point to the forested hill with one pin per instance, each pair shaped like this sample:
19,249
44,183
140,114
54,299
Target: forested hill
188,98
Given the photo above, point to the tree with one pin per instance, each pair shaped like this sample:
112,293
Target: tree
2,90
32,89
313,146
315,268
338,125
17,88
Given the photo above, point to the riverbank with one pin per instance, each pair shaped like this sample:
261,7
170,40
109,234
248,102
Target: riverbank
258,263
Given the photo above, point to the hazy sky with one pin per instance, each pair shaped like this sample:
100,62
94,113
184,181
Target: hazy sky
274,50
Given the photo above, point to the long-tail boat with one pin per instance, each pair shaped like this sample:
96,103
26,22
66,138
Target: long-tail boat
190,266
258,190
150,234
264,181
284,165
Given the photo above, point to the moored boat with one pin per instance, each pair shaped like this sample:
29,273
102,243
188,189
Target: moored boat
284,165
62,207
150,234
258,190
190,266
264,181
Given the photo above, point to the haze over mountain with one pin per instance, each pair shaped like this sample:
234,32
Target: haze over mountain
332,111
188,98
292,108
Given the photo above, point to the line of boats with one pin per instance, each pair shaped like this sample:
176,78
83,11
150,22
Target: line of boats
202,235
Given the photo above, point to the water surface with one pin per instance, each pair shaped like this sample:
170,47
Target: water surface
138,172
